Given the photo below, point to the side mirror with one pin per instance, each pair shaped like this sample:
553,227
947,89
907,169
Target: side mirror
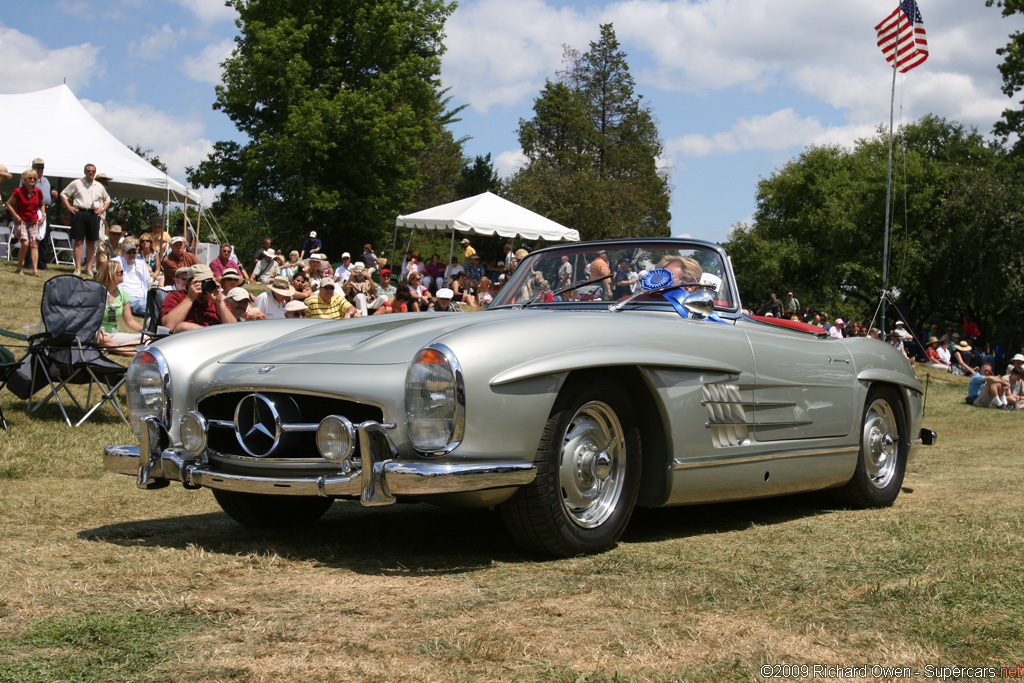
700,304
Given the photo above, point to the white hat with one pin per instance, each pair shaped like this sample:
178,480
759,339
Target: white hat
239,294
445,293
839,321
292,306
281,285
269,253
324,282
313,233
317,257
177,240
900,322
358,265
1019,357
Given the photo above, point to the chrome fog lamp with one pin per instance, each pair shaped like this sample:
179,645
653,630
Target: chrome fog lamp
335,438
193,432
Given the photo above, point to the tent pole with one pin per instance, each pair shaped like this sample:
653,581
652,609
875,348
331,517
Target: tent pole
394,245
451,252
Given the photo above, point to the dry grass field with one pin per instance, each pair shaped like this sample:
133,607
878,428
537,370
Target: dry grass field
100,581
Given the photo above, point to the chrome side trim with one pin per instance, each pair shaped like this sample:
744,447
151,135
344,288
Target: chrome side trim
755,424
756,404
688,463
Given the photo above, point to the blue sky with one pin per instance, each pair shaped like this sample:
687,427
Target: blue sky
738,87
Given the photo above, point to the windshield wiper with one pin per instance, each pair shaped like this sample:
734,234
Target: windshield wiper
563,290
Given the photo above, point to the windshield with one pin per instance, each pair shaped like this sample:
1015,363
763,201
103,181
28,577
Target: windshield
613,271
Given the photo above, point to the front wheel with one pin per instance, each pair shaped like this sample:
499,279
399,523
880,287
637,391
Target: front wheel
884,447
588,474
261,511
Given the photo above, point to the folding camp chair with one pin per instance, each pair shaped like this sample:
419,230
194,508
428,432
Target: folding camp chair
72,309
151,320
61,245
7,367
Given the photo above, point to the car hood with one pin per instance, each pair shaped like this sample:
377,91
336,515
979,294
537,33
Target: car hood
377,340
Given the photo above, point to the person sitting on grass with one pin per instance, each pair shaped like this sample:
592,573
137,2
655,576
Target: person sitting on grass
124,343
986,390
934,359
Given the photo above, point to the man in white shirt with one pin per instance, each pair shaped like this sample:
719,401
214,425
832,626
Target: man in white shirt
137,278
342,273
86,200
273,301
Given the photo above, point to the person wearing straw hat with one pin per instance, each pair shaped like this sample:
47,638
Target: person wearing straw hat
932,352
4,174
961,359
273,301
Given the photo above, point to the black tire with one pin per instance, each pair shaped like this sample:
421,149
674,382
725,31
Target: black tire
260,511
884,447
584,493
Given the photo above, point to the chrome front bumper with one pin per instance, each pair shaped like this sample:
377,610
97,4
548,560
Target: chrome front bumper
379,481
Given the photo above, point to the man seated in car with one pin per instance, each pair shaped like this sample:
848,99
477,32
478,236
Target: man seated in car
200,304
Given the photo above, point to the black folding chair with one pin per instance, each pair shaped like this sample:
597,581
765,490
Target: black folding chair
65,354
151,321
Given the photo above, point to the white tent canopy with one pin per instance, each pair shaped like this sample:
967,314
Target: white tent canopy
53,124
488,214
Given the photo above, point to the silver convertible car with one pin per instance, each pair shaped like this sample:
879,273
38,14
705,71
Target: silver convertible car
603,376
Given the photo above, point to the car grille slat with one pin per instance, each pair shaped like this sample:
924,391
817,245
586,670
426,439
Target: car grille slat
303,414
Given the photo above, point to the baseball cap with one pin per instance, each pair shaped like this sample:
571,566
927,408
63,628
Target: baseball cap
239,294
346,255
359,265
326,282
38,162
184,272
292,306
312,233
116,229
385,270
201,272
445,293
178,240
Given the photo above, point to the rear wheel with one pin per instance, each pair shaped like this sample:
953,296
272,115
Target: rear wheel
588,474
260,511
884,447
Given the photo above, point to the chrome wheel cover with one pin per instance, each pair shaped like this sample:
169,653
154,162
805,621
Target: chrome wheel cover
880,441
592,465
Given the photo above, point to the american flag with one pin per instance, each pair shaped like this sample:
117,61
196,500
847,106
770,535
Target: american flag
901,37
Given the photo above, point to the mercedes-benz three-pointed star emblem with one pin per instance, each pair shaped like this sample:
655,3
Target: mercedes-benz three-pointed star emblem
257,425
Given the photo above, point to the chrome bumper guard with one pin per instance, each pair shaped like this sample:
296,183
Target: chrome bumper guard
381,478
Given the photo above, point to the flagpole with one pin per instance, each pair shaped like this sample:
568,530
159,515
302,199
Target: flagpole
888,182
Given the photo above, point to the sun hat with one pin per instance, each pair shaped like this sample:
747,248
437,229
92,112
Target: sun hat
116,229
269,253
230,274
445,293
281,285
103,177
4,173
963,346
239,294
358,265
1019,356
933,340
202,272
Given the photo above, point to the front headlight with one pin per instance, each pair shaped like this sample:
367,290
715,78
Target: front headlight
148,388
435,400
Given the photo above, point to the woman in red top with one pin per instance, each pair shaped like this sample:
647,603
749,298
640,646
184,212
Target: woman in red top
25,204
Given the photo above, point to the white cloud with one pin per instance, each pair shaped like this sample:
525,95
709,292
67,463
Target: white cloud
780,130
206,66
209,11
28,65
175,140
500,51
157,44
509,161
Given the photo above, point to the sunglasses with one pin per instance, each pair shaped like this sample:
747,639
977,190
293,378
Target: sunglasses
330,288
145,242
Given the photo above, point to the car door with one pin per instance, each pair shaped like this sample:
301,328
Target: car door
804,387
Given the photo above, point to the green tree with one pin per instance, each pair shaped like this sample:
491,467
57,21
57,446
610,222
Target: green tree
136,215
1011,124
476,177
340,103
818,229
592,147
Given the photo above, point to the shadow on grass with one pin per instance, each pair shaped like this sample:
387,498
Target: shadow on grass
422,540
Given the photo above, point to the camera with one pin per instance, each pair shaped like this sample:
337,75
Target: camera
209,286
